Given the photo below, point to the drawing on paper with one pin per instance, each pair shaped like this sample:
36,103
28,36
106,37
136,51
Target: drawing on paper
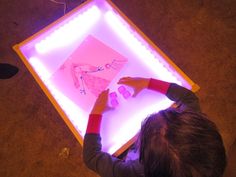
88,71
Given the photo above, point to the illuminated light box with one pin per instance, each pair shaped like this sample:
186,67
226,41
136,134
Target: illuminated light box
89,50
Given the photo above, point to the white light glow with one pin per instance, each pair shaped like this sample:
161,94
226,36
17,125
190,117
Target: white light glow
76,115
137,47
70,31
133,125
52,51
39,68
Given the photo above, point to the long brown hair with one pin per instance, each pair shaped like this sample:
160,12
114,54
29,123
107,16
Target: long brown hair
181,144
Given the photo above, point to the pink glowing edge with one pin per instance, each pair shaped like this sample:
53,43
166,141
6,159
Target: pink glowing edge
48,51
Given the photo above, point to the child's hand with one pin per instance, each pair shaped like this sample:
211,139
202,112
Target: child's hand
137,83
101,105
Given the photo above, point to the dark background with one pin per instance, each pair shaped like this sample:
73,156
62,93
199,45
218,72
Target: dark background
198,35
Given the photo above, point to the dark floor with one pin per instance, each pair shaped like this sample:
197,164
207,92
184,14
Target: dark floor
198,35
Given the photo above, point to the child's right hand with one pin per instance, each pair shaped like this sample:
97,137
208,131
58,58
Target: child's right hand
101,105
137,83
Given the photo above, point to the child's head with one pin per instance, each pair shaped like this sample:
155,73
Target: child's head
181,144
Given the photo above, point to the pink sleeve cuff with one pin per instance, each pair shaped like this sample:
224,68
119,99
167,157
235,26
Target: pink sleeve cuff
94,123
158,85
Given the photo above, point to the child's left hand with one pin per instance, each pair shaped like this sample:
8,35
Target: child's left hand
101,105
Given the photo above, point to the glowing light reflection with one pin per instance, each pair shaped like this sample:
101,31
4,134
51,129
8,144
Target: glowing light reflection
39,68
70,31
137,47
133,125
74,29
76,115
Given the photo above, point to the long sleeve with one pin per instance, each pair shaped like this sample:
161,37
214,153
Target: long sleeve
94,123
185,99
108,166
103,163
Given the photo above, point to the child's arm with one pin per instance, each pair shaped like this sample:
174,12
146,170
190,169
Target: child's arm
100,162
103,163
185,99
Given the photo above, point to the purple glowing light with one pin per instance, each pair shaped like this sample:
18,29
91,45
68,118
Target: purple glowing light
70,31
49,50
121,89
126,94
114,103
113,95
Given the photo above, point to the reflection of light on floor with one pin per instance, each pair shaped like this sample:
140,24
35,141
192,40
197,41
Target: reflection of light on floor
70,31
133,125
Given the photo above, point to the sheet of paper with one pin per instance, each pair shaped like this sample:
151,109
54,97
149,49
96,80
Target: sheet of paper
88,71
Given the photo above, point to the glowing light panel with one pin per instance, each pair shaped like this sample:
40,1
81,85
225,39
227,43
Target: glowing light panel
70,31
138,47
46,52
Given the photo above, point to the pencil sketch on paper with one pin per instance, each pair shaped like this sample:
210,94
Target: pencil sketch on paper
88,71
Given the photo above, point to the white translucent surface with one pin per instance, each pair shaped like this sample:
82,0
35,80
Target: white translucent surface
49,50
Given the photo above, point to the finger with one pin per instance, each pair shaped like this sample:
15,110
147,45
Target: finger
104,93
108,108
136,92
124,80
103,96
